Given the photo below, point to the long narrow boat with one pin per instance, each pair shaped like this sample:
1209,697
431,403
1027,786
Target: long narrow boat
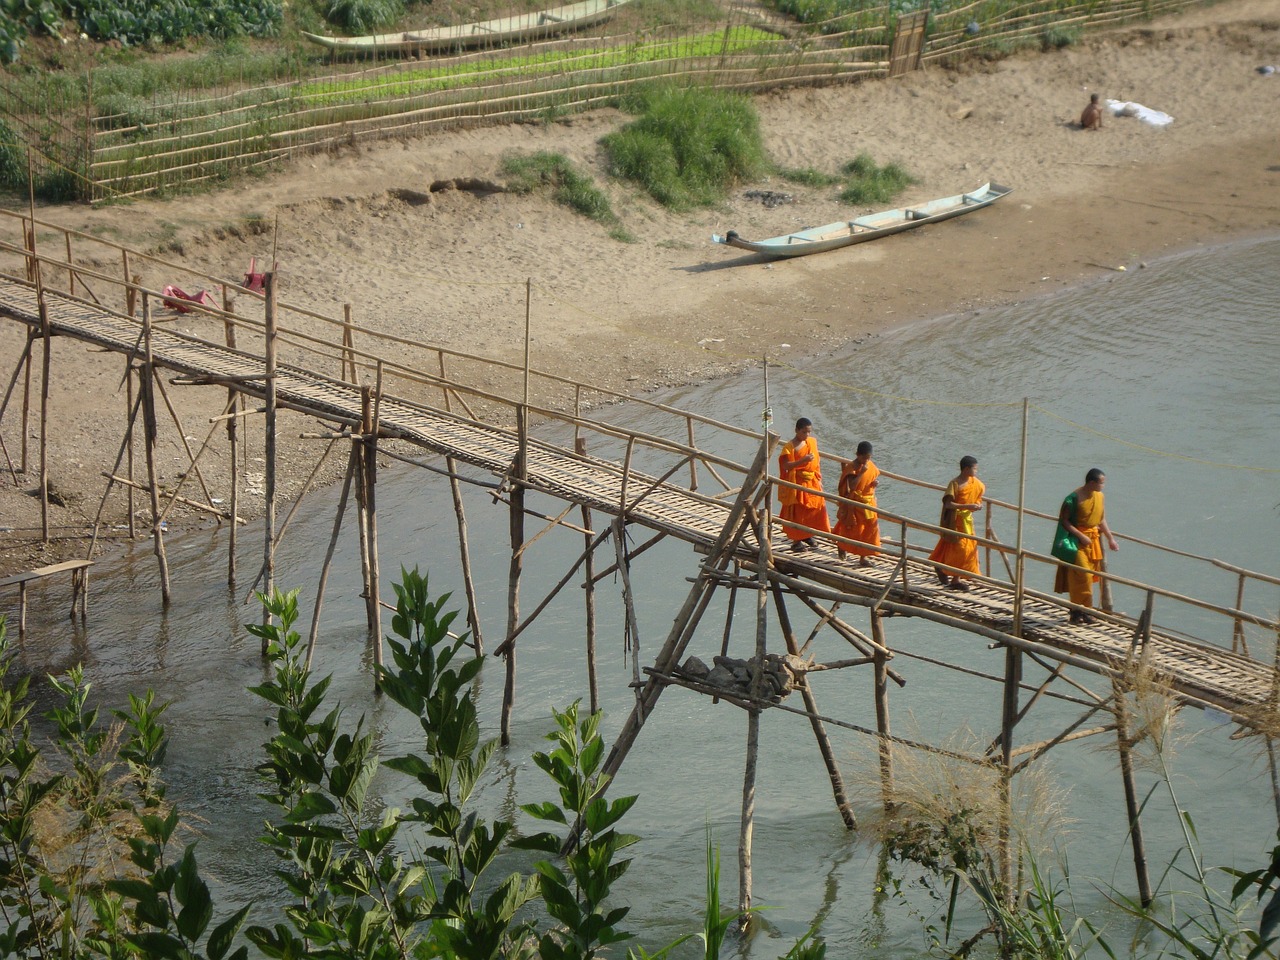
873,225
527,26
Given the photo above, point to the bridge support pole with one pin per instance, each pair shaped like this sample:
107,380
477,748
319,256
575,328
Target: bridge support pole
1009,720
371,425
233,445
464,544
519,472
1124,746
881,675
24,361
269,444
328,554
146,394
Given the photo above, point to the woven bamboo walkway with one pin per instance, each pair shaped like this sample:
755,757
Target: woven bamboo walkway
1201,673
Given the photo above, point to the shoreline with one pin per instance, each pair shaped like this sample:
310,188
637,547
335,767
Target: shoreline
672,308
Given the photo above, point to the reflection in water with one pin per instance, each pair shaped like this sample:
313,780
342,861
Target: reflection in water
1164,378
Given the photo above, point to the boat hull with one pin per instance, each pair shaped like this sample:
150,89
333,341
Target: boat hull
530,26
843,233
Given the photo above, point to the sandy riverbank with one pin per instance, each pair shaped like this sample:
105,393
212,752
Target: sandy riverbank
672,307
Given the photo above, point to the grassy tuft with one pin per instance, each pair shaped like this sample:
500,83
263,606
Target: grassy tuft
689,146
529,172
869,183
809,177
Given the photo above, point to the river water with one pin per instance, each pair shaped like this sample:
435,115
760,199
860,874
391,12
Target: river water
1164,377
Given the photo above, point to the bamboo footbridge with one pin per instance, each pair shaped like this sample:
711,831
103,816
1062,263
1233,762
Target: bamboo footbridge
384,403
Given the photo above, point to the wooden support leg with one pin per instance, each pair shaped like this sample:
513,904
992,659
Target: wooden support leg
882,709
371,513
747,826
269,443
590,593
1124,745
328,555
516,526
233,438
628,599
464,551
146,393
1009,719
819,728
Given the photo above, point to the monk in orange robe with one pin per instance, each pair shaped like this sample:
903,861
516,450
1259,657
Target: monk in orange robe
962,499
799,463
1078,540
858,480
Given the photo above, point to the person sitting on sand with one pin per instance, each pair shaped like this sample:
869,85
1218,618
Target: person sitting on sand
1091,119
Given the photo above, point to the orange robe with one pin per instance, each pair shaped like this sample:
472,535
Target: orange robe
854,522
1086,517
959,549
801,506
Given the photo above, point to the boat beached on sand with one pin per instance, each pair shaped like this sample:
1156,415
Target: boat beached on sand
844,232
523,27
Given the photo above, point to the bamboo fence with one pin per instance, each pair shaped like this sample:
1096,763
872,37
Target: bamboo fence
113,147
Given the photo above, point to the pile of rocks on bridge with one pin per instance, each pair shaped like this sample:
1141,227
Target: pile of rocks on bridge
781,675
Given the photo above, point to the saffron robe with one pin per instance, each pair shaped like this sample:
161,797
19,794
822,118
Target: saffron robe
854,522
1085,515
960,549
802,506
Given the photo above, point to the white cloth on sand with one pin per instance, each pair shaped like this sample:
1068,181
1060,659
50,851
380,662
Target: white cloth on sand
1127,108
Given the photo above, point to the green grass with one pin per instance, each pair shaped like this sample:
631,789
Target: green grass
527,173
868,183
689,146
809,177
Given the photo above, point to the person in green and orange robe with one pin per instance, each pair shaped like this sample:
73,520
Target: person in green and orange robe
1081,526
962,499
799,463
858,480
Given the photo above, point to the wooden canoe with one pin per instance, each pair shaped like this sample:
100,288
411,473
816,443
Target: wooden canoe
524,27
873,225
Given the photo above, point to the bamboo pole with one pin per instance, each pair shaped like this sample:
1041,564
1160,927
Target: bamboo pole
811,705
373,424
881,689
147,395
1124,745
589,593
464,544
269,516
1009,718
519,471
328,554
360,451
1020,562
233,439
632,636
747,826
129,405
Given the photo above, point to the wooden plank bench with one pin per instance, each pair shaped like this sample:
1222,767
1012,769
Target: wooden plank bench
77,570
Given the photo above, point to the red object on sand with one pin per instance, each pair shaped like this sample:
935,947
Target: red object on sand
174,297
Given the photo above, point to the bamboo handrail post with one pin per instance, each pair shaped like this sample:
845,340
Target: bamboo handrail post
348,346
693,463
1019,557
71,273
1238,641
146,378
269,517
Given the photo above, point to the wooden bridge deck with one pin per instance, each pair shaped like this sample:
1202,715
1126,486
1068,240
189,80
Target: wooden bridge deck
1202,673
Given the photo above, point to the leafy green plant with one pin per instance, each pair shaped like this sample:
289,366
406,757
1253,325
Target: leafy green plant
87,842
689,146
809,177
576,896
869,183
